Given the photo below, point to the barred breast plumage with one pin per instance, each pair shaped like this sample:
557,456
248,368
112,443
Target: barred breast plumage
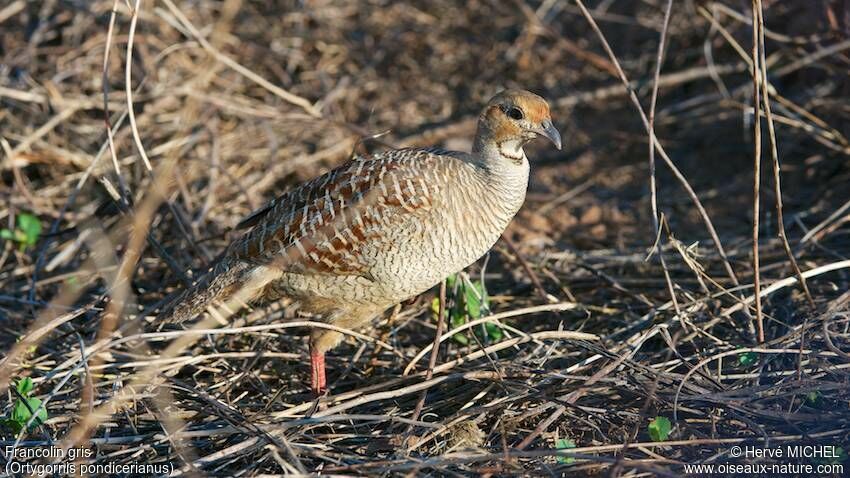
378,230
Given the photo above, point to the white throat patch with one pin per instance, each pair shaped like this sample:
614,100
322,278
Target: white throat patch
512,149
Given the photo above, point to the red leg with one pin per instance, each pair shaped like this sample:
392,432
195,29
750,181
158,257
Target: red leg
317,372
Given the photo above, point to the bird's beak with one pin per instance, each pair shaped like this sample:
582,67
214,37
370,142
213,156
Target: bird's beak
548,130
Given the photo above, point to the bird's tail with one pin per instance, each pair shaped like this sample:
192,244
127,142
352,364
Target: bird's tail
217,286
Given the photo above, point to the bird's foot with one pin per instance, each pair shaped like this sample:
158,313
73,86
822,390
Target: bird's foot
319,404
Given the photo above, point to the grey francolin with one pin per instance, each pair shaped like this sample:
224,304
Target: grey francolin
379,230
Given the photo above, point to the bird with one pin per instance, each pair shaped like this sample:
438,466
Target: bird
379,229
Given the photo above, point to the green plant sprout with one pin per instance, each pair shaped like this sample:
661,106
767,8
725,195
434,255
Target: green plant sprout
659,429
26,233
565,444
470,303
23,409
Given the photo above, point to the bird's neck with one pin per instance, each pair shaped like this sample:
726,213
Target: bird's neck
500,151
504,167
504,157
503,172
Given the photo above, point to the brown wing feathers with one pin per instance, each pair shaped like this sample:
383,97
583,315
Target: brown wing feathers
319,227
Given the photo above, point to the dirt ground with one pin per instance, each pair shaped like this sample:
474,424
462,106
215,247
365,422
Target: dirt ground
606,325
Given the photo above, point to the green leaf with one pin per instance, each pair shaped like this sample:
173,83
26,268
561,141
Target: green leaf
494,332
474,297
460,338
21,414
485,302
25,386
450,282
659,429
456,320
469,300
73,283
747,358
564,444
30,226
813,397
435,308
11,424
7,234
456,317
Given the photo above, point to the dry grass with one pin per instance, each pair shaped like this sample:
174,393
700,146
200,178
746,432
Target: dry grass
617,302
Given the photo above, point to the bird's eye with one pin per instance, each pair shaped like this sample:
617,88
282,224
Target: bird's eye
515,113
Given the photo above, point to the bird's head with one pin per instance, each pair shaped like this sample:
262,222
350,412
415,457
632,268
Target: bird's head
511,119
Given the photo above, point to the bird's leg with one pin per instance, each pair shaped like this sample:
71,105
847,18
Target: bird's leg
318,383
321,340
